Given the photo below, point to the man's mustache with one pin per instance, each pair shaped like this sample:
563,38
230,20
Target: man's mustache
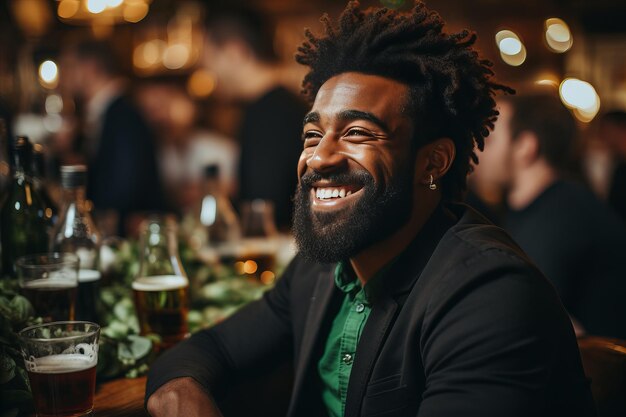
359,177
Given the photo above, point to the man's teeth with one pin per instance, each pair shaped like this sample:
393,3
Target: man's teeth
327,193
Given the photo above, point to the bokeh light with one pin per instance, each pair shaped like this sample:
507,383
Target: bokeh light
512,49
54,104
135,11
268,277
48,74
510,46
576,93
581,97
250,267
201,83
558,36
176,56
68,8
96,6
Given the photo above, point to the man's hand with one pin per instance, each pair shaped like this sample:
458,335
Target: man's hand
182,397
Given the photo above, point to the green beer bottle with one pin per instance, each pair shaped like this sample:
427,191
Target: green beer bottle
23,225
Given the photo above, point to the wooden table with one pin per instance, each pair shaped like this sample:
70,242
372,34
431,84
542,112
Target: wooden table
265,395
120,398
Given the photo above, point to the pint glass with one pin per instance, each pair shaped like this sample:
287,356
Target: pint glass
50,282
61,359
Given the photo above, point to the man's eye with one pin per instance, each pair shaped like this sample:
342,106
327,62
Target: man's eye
358,132
311,134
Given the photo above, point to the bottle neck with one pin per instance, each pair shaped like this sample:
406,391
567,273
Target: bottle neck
212,186
75,195
166,242
160,254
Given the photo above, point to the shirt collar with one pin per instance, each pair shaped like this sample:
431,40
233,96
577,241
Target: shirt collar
345,278
347,281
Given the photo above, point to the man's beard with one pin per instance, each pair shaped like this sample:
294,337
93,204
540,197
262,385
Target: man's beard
338,235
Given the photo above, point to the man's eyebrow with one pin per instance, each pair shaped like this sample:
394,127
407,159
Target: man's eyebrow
348,115
311,118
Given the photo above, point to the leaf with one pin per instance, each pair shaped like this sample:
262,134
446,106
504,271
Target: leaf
107,296
140,346
133,349
115,330
7,369
138,371
124,309
22,308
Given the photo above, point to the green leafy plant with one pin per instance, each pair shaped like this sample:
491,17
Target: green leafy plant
122,351
16,312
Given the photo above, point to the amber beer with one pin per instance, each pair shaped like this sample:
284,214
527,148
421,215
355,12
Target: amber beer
162,306
52,299
63,385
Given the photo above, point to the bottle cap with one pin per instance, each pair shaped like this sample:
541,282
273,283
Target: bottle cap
73,176
20,142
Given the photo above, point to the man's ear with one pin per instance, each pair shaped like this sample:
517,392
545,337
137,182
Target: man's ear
436,159
526,148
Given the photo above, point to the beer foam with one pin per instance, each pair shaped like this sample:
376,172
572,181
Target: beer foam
52,283
60,364
160,283
88,275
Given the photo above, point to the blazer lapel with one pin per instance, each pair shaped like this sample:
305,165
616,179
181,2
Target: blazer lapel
373,336
317,310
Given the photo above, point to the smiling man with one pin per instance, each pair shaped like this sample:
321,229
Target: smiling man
400,302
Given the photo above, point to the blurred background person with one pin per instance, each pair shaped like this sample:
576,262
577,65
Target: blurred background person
239,50
485,195
575,239
185,147
612,132
116,142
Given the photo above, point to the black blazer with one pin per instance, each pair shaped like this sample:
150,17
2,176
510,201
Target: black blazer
473,330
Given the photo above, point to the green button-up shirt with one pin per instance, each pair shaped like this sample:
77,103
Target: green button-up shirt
335,365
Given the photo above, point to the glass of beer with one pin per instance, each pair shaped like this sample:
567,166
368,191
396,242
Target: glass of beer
61,359
161,287
50,282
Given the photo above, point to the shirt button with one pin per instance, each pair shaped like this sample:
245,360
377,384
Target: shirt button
347,359
360,308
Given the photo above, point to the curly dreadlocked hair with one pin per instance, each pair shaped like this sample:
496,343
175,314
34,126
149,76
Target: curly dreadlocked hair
450,92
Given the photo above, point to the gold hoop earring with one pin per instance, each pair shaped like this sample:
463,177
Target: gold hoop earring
432,184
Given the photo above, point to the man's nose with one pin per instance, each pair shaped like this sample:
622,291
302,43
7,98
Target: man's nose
328,156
